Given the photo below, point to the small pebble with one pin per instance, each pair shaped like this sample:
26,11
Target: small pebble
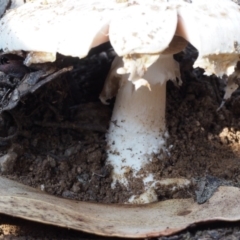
7,162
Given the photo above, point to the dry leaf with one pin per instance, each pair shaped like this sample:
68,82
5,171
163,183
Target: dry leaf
158,219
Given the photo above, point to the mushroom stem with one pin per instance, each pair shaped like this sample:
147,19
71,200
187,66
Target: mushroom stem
137,130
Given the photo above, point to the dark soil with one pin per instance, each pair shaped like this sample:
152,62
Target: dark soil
60,142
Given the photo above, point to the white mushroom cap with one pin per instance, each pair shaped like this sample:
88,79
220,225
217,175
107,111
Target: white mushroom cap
147,28
65,26
211,26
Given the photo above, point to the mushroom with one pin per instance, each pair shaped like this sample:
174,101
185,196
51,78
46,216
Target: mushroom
145,35
137,131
